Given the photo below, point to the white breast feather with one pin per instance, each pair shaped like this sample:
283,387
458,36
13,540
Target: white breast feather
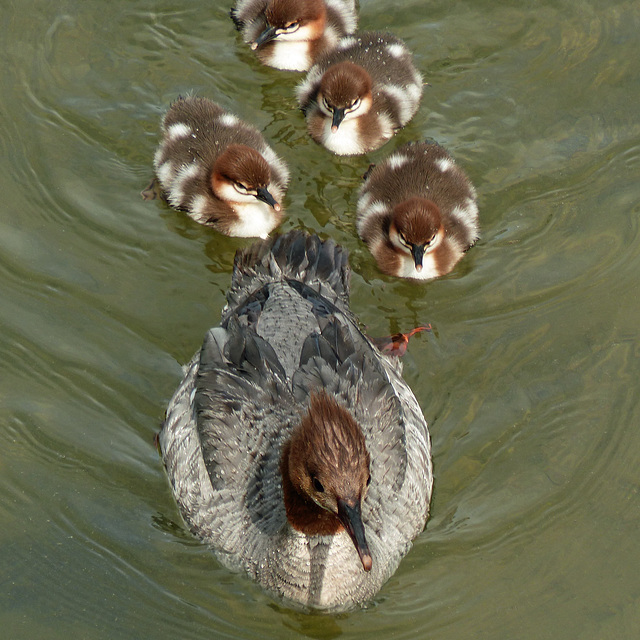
290,55
256,220
346,140
408,268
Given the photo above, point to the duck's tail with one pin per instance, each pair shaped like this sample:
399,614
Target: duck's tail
322,265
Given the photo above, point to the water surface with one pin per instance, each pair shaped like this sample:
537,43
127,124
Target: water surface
528,379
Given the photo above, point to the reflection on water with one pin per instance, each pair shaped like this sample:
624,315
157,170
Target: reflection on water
528,379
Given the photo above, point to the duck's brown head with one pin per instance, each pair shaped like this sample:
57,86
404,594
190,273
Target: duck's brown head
297,20
325,474
241,174
416,228
345,92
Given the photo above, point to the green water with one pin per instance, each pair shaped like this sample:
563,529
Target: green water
529,379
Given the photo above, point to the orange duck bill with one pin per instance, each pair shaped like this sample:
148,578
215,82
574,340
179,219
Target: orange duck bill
351,519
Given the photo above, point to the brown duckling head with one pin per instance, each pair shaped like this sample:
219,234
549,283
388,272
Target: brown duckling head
293,20
416,228
240,174
345,92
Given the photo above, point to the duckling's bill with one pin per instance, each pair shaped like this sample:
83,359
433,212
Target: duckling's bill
264,195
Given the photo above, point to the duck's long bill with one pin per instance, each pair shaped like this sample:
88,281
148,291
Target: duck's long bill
264,195
351,519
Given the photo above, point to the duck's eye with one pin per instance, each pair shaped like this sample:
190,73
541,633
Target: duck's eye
327,105
354,105
430,242
404,241
291,28
317,485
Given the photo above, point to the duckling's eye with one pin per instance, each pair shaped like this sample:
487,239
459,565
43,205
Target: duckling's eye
404,240
317,485
327,105
240,187
354,105
291,28
430,242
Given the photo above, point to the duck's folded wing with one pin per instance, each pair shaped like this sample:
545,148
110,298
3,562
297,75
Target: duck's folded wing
222,456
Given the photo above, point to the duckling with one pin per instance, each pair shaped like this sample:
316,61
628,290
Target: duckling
357,96
291,34
293,446
417,212
219,169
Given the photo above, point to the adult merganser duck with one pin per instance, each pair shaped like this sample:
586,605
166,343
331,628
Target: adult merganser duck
291,34
357,96
417,212
219,169
293,446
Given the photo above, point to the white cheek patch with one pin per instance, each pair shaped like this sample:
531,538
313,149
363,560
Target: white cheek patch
231,195
178,130
302,34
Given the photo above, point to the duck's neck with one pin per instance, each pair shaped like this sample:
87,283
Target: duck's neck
304,515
